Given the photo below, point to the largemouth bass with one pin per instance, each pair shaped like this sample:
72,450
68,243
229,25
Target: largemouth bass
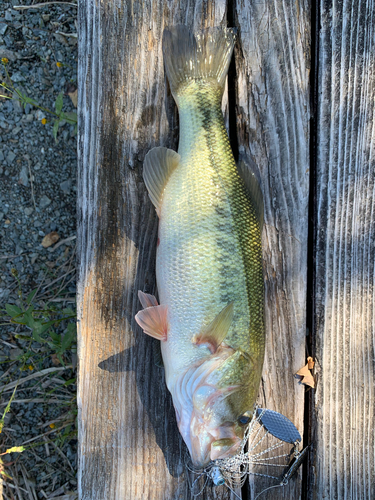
210,320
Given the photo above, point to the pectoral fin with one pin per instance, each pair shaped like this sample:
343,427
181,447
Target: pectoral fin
214,334
147,300
158,165
153,320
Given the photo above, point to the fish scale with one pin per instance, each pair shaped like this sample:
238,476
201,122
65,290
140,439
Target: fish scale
209,260
218,224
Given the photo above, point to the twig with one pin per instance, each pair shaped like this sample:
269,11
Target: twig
14,476
8,256
10,485
38,400
8,370
31,180
41,5
62,455
72,35
56,280
68,299
36,375
61,242
46,433
26,481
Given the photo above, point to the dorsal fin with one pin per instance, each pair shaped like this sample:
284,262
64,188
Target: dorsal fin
250,175
213,334
158,165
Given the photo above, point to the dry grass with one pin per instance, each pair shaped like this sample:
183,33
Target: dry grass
42,413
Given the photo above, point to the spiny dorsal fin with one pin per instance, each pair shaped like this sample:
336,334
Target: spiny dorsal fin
214,334
251,177
158,165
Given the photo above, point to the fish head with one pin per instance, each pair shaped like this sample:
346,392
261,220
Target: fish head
219,397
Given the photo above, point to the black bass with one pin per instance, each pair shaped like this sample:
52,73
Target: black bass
210,320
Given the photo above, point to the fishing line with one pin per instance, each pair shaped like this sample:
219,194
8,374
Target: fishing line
269,488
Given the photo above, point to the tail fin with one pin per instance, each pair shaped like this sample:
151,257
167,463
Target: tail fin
199,55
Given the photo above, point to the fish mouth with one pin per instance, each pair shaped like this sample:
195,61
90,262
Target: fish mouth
212,444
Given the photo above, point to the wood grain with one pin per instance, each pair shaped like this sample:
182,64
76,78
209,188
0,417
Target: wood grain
272,74
129,445
345,233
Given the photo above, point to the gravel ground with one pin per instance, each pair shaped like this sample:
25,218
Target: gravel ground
37,197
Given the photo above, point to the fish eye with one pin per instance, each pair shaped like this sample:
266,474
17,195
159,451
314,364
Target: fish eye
245,418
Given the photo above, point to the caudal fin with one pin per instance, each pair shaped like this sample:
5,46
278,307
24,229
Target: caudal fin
199,55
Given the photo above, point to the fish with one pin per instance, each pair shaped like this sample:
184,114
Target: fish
209,272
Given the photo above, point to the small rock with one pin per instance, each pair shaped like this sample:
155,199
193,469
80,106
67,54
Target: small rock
14,353
1,156
17,77
9,54
8,16
3,28
29,118
16,130
28,211
44,201
40,115
50,239
66,185
24,176
11,157
17,108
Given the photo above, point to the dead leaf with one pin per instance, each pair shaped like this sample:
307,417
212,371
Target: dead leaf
310,362
55,360
74,97
50,239
307,379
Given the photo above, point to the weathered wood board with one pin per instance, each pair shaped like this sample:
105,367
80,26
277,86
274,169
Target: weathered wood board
272,108
129,446
344,253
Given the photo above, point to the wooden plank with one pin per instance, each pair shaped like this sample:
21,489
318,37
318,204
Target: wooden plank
129,444
272,69
344,252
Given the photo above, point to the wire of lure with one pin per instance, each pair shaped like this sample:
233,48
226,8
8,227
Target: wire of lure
299,457
233,471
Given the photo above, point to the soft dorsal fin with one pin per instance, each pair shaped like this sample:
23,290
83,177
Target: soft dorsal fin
251,177
214,334
158,165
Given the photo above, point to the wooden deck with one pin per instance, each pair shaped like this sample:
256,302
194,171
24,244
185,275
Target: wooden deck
301,102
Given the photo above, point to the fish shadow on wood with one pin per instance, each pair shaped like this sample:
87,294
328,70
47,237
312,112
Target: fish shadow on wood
142,357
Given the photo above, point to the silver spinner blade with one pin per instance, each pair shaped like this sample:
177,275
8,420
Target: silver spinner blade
279,426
